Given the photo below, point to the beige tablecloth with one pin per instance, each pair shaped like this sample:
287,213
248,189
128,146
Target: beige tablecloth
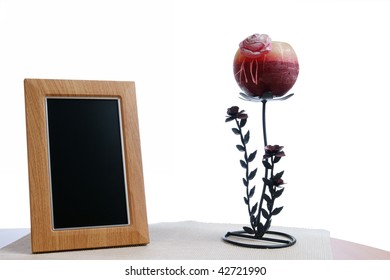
190,240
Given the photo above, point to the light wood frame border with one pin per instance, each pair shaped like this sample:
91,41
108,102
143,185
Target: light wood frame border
43,237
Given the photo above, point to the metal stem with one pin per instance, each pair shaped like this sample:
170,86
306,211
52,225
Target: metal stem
246,171
264,124
266,169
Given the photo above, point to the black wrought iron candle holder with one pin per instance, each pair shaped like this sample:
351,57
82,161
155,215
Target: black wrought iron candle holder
258,235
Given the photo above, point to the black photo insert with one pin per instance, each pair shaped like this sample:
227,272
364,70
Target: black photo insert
87,173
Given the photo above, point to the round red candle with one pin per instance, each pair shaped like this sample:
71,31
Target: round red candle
261,65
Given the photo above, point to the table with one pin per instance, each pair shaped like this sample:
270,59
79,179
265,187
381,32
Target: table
195,240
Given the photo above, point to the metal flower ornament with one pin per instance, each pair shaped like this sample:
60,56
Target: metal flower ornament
265,70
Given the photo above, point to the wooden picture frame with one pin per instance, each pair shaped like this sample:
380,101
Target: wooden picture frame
73,195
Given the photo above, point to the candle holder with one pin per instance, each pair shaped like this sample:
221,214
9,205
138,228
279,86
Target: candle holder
265,71
258,234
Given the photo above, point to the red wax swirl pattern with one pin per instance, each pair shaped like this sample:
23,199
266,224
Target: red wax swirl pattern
275,71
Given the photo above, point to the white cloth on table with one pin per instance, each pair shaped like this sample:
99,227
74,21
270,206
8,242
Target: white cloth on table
190,240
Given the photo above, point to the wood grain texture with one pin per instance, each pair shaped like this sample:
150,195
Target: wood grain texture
43,237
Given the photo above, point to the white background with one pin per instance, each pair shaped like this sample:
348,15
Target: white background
179,53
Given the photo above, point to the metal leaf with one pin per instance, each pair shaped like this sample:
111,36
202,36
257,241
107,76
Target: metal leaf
267,198
252,156
277,159
229,119
245,182
278,193
240,148
278,176
243,164
248,230
242,123
246,138
235,131
267,164
265,214
277,211
254,209
252,192
252,174
246,200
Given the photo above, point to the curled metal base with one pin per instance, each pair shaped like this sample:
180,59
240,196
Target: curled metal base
270,240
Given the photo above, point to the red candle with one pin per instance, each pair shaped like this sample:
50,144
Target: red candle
261,65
